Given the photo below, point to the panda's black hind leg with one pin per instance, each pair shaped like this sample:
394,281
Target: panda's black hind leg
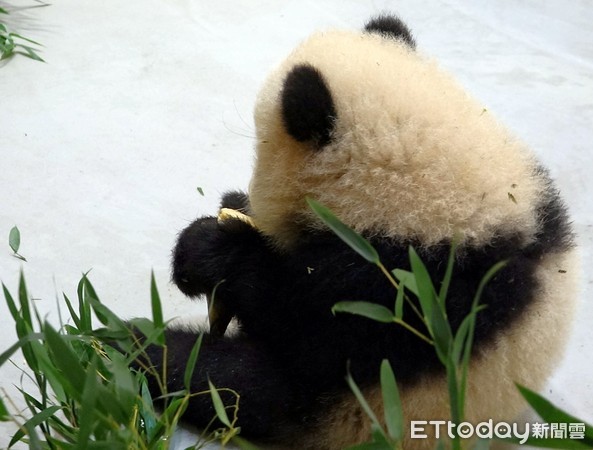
233,365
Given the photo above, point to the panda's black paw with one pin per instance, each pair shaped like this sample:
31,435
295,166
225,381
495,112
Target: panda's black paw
196,247
206,251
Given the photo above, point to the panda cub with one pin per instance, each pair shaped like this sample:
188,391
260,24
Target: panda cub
377,132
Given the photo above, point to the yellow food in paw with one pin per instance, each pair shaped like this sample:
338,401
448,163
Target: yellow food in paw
228,213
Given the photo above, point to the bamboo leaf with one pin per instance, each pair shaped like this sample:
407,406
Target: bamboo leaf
30,53
146,411
24,38
24,301
33,422
361,400
84,308
366,309
106,316
349,236
219,406
426,293
4,414
448,275
482,444
399,301
441,333
191,363
470,334
66,361
157,311
391,403
551,413
371,446
11,304
14,239
407,278
73,314
86,416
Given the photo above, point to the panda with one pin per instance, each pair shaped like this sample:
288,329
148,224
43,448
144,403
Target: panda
368,126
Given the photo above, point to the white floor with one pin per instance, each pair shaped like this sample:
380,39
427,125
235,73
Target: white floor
141,102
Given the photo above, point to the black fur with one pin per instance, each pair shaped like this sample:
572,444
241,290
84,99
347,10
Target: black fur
292,353
391,27
308,109
236,200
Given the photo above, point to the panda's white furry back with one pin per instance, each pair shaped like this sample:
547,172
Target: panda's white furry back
364,123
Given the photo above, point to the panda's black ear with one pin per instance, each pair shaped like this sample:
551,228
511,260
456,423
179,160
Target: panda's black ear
308,110
391,27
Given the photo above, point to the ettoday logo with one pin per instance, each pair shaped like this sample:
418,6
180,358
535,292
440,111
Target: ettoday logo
500,430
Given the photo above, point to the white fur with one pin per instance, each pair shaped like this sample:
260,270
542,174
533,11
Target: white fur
412,155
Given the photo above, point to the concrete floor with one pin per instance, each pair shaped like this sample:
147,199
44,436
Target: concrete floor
140,102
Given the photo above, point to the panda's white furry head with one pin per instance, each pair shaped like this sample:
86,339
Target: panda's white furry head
376,131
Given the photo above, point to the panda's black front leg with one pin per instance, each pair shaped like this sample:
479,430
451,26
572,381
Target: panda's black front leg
226,259
243,372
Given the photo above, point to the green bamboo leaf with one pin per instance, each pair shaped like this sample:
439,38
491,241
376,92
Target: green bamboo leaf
33,422
391,403
73,314
191,363
460,339
551,413
448,275
379,437
407,278
124,383
482,444
362,401
157,311
87,410
399,301
14,239
219,406
24,301
32,54
168,418
146,409
3,11
146,326
371,446
4,414
106,316
441,333
349,236
84,308
66,361
426,292
243,444
454,396
470,334
11,304
370,310
15,35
